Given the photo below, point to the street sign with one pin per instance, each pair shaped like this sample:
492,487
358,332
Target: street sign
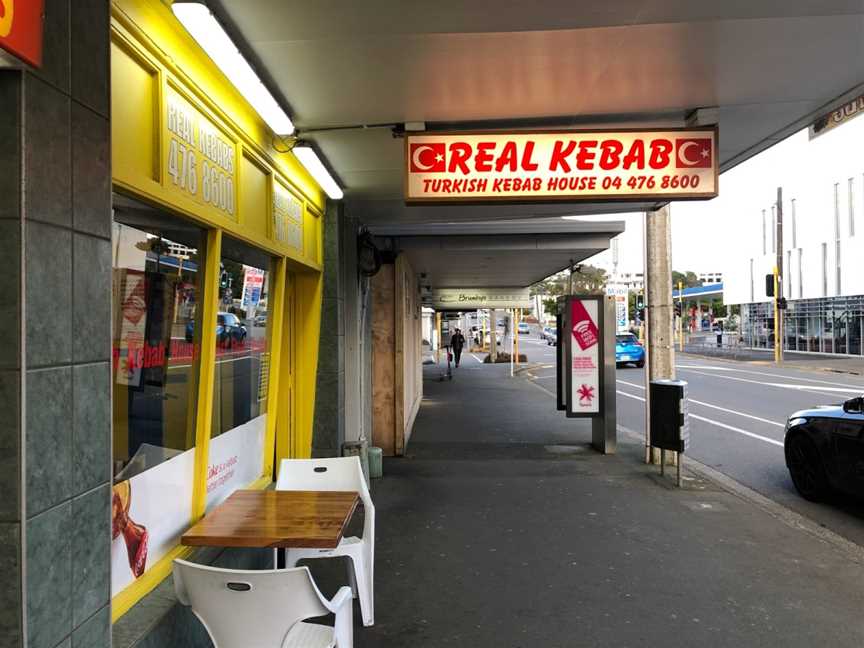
622,306
561,165
21,29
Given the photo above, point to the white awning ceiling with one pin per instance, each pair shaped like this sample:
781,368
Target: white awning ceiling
767,66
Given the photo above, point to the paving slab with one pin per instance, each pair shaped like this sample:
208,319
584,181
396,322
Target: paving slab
502,528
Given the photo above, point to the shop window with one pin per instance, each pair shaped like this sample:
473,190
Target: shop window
242,371
158,262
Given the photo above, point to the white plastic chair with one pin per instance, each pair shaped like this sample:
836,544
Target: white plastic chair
338,474
263,609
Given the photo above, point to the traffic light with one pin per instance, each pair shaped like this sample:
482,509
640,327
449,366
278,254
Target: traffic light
678,309
640,302
782,304
769,285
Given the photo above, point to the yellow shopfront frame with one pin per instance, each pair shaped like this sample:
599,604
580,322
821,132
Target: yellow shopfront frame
152,57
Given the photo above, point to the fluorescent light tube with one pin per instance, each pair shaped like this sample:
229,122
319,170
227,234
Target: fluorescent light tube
309,159
207,31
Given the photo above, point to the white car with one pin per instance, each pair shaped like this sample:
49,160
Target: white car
498,337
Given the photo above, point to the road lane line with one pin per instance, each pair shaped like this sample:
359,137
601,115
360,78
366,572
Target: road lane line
717,407
773,375
738,430
808,388
752,435
476,358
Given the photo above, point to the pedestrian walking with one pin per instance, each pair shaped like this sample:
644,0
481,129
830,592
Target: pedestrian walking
457,341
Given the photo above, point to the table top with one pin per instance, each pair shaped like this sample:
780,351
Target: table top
256,518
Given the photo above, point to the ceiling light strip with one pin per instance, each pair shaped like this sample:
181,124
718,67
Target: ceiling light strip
209,34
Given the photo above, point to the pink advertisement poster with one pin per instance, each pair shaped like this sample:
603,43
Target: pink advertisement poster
584,357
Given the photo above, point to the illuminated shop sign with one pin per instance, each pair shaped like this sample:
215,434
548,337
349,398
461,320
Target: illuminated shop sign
477,298
21,29
570,165
837,117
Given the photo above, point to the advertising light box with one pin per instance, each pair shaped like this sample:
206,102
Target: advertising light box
566,165
580,356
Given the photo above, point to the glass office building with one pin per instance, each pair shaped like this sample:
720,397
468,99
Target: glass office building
824,325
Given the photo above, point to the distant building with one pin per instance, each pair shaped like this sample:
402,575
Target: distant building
634,281
822,247
711,277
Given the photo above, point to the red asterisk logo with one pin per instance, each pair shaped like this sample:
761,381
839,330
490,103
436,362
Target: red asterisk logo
586,394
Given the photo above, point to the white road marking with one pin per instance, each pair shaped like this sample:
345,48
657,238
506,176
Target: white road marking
738,430
807,388
717,407
752,435
476,358
773,375
543,389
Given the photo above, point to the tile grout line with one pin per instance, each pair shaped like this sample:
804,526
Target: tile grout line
22,363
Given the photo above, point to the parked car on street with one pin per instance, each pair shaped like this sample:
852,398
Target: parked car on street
523,328
824,449
229,330
629,350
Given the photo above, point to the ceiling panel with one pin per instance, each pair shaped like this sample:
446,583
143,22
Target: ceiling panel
767,66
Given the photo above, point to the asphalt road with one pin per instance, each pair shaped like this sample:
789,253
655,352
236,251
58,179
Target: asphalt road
738,413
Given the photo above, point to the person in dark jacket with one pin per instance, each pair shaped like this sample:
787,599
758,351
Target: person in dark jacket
457,341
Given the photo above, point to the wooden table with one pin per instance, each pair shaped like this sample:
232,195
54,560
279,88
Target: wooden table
254,518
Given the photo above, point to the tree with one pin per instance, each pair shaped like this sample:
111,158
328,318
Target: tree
689,278
587,280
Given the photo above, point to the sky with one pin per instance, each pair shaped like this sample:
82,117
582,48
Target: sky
690,222
722,233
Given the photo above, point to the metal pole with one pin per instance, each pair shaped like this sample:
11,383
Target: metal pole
778,290
645,338
438,333
512,340
679,456
518,312
777,353
681,317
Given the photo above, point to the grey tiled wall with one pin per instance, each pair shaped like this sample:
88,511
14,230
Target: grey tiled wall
55,410
328,433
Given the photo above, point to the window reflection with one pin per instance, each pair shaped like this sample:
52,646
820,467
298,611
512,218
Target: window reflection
157,263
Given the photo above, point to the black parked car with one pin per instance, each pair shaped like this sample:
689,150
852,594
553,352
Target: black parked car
825,450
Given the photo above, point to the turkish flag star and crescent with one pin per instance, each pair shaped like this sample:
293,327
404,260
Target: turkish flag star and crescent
428,158
694,153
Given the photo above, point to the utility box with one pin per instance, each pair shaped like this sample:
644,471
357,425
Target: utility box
670,422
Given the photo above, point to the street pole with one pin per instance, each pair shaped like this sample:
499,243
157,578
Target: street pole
681,317
512,316
518,312
493,336
438,333
645,335
778,282
658,280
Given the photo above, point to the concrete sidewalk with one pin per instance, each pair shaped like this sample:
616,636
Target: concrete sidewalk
501,528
